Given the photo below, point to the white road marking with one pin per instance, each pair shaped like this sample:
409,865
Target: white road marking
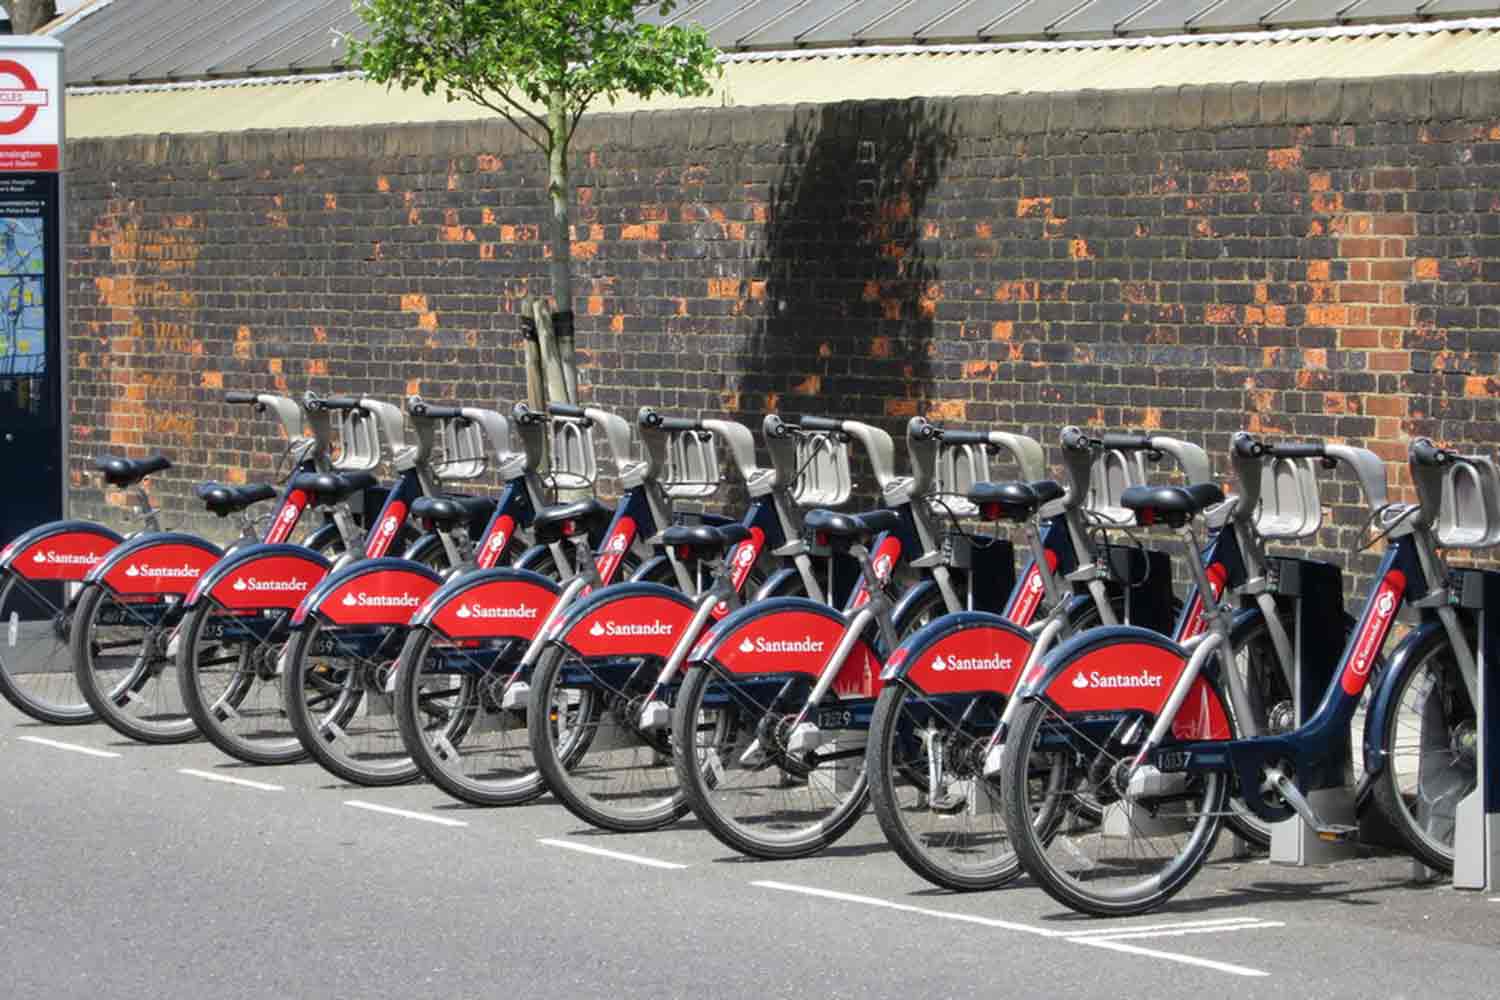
1169,956
1218,923
59,745
1071,937
405,813
226,779
850,897
1123,935
603,853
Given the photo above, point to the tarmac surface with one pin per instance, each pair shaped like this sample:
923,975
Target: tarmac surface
135,871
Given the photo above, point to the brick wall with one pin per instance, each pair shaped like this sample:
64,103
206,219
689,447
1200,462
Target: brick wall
1306,259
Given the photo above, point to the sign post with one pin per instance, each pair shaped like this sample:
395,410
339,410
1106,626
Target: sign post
33,383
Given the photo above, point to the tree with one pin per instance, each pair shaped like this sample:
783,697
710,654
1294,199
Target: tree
27,16
539,64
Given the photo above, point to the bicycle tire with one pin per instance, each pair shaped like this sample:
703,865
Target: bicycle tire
35,624
610,749
1034,843
1443,724
141,685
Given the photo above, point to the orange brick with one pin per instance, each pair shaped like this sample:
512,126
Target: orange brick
809,386
1284,159
645,231
1391,316
1317,270
1395,225
1390,270
596,305
1384,406
1002,330
382,183
1315,358
1427,268
1478,385
1327,316
617,324
1359,248
1038,207
1390,361
413,303
1359,293
1079,250
977,369
880,347
213,380
1319,182
900,407
428,321
952,409
1221,315
723,288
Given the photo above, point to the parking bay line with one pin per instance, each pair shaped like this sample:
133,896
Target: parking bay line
1070,937
404,813
638,859
259,786
59,745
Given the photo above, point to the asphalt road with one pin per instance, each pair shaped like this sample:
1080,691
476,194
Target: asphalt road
143,872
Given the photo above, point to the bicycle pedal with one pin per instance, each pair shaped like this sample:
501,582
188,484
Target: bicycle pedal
516,696
656,715
804,739
1335,833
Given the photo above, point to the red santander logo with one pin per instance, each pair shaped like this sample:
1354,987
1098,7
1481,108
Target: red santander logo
501,609
62,557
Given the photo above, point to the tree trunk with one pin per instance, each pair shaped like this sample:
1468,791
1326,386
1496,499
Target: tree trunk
27,16
560,191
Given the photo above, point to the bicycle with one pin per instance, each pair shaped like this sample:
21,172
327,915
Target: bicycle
601,693
236,623
1160,734
769,727
352,633
130,602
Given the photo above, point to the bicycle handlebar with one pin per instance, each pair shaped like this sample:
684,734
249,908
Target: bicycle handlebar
424,410
1127,442
655,421
333,403
241,397
526,416
566,410
1074,439
963,437
1425,453
820,424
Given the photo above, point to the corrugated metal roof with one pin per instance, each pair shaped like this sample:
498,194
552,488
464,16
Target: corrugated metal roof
749,79
114,41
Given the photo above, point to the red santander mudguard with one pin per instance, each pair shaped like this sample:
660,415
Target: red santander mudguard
968,651
165,563
61,550
790,635
1127,668
628,619
261,578
370,592
489,604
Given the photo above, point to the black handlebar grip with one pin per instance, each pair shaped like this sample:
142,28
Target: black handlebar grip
678,424
156,463
1424,452
335,403
240,397
432,411
1127,442
1074,439
1246,445
1306,449
964,437
565,410
820,424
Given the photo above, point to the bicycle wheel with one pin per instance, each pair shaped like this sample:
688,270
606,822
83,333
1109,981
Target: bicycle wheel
334,692
36,663
928,788
1430,743
120,663
226,669
590,749
1140,851
453,723
729,736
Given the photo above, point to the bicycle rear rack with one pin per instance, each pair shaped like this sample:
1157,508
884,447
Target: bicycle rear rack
692,466
1289,506
575,464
